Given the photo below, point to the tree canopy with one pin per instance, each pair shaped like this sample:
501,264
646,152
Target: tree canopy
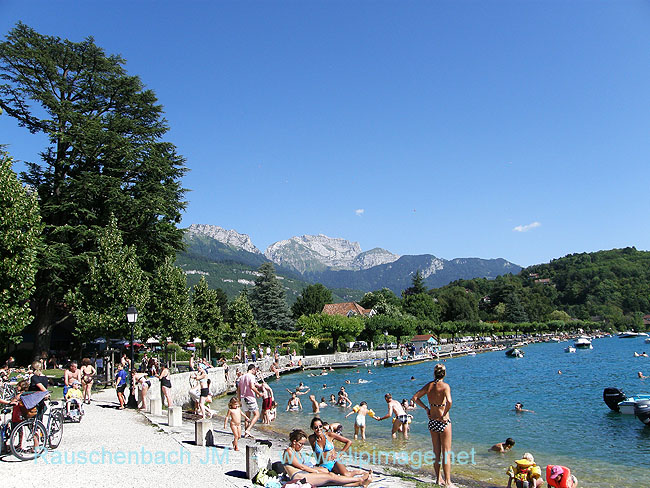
105,156
20,238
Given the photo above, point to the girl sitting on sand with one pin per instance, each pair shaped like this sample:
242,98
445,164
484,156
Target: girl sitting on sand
235,414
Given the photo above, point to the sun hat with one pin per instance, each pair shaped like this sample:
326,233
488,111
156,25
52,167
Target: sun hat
556,471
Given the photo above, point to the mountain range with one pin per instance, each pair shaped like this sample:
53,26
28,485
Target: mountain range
229,260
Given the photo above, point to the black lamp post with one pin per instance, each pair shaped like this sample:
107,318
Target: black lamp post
132,318
386,343
243,347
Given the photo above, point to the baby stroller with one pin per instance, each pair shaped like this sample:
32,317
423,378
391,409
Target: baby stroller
76,411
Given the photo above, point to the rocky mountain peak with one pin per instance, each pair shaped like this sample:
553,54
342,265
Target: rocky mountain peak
310,253
229,237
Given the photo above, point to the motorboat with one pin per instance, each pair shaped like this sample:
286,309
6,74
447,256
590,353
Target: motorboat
583,342
618,401
629,334
642,411
514,352
569,349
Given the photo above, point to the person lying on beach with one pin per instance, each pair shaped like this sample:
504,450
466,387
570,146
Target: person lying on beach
300,466
503,446
322,443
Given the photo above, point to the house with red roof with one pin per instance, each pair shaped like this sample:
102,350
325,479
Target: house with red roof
348,309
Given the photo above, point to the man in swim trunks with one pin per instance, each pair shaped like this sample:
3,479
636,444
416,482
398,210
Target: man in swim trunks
248,391
395,407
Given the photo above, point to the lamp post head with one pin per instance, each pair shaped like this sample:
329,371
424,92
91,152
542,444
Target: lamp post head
386,333
132,314
243,335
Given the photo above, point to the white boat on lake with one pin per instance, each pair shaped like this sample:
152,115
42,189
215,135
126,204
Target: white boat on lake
629,334
583,342
569,349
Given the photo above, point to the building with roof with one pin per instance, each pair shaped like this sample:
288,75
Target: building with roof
348,309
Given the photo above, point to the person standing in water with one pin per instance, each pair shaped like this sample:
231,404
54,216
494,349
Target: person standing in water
439,395
401,418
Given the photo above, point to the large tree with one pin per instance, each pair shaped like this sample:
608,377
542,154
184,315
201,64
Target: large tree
311,300
105,157
170,311
209,321
114,282
20,230
241,319
268,301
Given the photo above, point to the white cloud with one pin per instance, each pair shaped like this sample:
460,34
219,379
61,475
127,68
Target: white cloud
527,227
359,211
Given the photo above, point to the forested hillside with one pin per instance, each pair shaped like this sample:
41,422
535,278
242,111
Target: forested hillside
610,285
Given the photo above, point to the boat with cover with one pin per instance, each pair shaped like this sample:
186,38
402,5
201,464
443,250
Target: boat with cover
583,342
618,401
412,360
514,352
569,349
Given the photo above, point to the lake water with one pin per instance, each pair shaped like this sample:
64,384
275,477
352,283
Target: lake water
571,425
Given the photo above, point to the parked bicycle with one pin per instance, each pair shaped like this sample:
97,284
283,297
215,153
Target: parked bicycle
31,437
5,429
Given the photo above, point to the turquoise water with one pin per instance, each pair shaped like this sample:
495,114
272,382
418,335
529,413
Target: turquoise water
571,424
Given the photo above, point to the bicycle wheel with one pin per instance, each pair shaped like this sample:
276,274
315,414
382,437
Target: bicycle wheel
56,429
28,440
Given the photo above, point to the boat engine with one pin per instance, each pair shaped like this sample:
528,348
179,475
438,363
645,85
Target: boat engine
642,411
612,397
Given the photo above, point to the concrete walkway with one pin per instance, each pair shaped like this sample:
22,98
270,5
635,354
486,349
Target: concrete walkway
113,448
126,448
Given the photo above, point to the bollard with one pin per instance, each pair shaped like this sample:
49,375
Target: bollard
258,457
201,430
155,406
175,416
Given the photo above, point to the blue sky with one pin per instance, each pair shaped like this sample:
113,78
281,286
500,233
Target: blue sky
460,129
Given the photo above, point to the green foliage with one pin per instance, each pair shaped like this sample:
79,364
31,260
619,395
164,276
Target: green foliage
337,326
458,304
422,306
207,312
417,285
240,315
105,156
383,301
20,230
312,300
268,301
169,311
114,281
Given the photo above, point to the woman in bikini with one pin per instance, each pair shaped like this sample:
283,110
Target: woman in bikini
299,465
166,384
321,442
88,373
439,395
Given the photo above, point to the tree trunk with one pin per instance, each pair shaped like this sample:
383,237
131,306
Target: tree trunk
44,324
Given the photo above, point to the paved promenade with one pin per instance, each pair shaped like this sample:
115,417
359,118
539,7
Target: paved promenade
113,448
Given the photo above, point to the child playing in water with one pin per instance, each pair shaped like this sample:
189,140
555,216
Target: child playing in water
360,421
503,446
235,414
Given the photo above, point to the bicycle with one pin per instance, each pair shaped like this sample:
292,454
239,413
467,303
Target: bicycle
30,438
5,429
